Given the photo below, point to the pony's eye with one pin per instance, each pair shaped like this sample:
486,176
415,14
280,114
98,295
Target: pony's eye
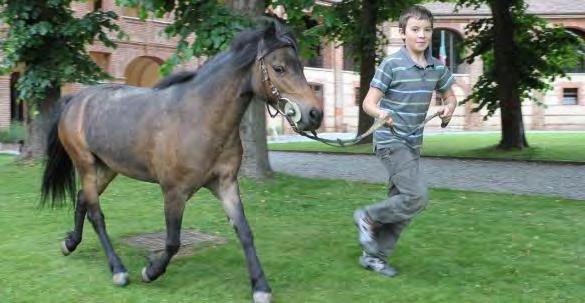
278,68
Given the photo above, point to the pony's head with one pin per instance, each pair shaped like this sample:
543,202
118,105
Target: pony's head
280,79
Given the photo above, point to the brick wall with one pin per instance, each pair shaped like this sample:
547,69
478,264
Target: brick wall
4,101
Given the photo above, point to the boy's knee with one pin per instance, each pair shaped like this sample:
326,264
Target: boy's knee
418,202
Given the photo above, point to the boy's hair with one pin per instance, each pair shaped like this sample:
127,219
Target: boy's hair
416,11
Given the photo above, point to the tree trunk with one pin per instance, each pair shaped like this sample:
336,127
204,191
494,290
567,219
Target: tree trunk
507,77
255,162
367,50
38,126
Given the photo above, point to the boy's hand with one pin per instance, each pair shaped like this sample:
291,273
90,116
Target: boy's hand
384,115
446,113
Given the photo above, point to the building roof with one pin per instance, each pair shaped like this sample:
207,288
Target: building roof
537,7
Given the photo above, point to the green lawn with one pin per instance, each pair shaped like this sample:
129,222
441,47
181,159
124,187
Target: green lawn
466,247
543,146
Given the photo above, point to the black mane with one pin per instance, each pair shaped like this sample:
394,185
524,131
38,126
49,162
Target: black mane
175,78
245,44
243,51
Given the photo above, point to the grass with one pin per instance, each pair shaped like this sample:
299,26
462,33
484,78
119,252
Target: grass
466,247
543,146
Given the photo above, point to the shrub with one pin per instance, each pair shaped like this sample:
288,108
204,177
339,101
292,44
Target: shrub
13,134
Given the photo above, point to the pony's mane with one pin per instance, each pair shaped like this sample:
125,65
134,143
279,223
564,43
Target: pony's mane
245,44
244,47
175,78
243,51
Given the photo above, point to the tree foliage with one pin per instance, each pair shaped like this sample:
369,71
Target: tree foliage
542,53
342,23
49,41
210,21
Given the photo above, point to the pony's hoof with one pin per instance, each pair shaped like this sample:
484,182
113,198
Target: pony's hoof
121,279
145,277
262,297
64,248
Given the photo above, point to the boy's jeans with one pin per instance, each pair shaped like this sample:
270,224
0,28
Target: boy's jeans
407,196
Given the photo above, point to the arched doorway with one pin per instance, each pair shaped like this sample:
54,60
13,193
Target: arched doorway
143,71
447,46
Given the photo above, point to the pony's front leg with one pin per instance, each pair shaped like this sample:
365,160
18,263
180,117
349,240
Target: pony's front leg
174,208
227,190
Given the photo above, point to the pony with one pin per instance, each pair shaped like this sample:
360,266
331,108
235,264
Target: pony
182,134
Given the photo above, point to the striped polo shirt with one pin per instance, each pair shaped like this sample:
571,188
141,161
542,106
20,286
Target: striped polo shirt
407,89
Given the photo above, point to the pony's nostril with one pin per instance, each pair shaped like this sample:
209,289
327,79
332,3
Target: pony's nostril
315,115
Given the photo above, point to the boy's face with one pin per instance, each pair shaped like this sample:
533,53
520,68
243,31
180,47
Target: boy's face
417,34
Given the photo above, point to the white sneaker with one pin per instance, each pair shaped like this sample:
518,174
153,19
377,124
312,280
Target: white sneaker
378,265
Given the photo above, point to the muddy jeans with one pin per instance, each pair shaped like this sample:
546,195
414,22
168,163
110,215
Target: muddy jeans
407,196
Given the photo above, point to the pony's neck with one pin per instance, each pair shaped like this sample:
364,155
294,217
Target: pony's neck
226,90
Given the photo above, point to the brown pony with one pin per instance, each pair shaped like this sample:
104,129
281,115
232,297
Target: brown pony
182,134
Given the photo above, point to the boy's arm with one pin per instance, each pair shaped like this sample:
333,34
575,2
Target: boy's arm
370,105
450,102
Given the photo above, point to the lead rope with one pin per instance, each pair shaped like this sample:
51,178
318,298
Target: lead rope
376,125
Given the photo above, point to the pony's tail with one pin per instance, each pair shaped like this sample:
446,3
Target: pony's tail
59,174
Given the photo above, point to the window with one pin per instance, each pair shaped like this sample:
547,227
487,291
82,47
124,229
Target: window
16,107
358,99
130,11
348,60
447,46
579,66
315,61
317,90
570,96
95,5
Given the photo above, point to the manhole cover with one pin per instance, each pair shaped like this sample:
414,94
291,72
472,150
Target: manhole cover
191,240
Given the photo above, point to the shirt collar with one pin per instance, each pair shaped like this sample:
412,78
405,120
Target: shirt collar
409,60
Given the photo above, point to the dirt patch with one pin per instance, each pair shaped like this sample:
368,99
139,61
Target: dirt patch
191,242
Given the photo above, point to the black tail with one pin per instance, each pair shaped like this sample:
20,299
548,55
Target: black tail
59,175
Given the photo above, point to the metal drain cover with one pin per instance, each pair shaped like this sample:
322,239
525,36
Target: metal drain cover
191,241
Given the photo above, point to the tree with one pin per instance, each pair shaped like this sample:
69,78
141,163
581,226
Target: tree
49,42
253,127
522,54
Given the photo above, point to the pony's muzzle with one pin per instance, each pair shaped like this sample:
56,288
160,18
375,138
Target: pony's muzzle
310,119
315,116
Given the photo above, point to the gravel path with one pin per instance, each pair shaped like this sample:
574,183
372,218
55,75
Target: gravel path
559,180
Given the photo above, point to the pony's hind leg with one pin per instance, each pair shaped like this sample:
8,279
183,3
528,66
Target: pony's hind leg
226,188
104,177
174,204
74,237
88,172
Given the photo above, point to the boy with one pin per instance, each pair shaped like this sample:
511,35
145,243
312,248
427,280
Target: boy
400,93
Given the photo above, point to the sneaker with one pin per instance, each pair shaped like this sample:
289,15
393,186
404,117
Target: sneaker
377,265
365,232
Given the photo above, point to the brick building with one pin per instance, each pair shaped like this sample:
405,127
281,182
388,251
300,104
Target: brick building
331,74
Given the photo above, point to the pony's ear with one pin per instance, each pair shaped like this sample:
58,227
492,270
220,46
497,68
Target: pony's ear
270,31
